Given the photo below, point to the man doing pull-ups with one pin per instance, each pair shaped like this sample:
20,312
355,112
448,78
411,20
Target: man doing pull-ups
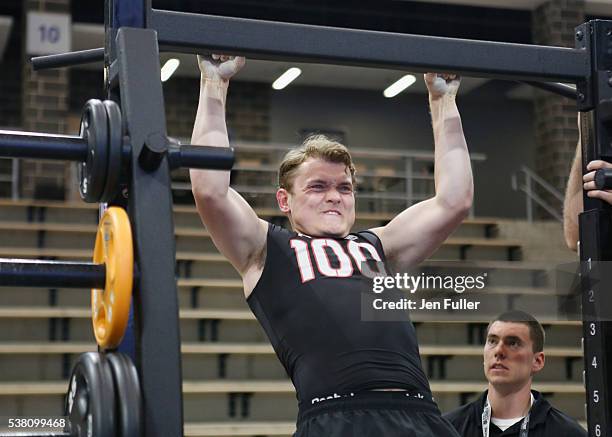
352,377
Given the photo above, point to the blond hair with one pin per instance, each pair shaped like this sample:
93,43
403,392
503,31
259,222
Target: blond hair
314,146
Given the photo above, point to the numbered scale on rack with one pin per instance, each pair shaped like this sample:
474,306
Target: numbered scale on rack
595,322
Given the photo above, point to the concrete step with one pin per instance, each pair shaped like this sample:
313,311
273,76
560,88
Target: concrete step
236,429
216,348
193,241
207,360
223,400
46,388
44,323
199,268
186,215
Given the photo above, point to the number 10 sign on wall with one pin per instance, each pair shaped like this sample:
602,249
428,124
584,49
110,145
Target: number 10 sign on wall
48,33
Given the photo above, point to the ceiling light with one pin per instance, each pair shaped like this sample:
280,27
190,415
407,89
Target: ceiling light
169,68
397,87
286,78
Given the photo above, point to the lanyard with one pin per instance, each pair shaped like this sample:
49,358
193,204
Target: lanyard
486,421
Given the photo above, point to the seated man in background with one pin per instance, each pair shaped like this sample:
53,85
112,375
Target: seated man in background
352,378
513,353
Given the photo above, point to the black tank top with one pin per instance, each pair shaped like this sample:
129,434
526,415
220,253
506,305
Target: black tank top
308,301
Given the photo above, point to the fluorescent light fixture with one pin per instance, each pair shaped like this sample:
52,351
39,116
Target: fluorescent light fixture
397,87
286,78
169,68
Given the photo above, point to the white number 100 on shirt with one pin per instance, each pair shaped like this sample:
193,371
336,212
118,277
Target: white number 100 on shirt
317,246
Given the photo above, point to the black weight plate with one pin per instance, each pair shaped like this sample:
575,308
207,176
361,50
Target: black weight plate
115,149
108,394
90,403
92,172
128,396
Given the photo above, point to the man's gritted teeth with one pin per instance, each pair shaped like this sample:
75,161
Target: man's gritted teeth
332,212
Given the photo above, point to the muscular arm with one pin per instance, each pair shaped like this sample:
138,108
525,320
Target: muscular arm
573,204
418,231
235,228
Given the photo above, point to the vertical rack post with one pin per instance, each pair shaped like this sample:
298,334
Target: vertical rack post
595,102
132,76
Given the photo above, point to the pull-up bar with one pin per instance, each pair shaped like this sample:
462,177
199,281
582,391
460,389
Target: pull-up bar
194,33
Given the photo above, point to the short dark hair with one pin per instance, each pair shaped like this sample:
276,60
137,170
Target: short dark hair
536,331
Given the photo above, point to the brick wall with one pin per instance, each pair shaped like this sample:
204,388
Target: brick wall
248,104
181,103
555,117
54,104
10,94
248,108
248,111
44,108
85,85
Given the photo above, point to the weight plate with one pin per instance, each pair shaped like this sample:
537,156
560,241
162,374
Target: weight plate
128,396
90,403
92,172
111,307
115,149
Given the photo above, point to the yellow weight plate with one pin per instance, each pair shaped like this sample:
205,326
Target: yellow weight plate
111,307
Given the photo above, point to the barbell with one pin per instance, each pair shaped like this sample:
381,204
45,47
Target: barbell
110,276
103,150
